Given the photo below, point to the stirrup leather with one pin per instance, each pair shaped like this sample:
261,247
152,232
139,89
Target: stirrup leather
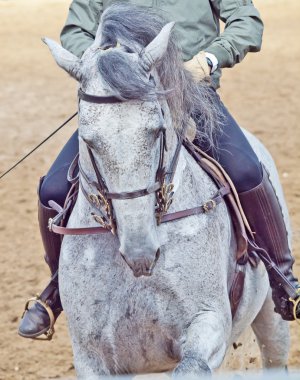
50,332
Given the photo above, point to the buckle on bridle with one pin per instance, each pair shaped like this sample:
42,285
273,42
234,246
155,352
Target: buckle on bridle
209,206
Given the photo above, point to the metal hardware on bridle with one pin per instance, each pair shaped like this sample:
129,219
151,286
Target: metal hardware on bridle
102,199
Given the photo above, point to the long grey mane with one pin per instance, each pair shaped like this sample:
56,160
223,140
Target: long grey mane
134,28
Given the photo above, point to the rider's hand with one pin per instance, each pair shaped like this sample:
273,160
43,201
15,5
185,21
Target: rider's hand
198,66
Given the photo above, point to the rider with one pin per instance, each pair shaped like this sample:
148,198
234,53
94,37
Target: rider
205,52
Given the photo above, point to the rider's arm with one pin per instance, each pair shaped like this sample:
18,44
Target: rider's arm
242,34
81,25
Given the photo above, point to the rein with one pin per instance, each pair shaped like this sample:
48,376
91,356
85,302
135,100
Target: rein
101,200
40,144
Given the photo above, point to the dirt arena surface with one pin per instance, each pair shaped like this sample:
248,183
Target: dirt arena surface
262,93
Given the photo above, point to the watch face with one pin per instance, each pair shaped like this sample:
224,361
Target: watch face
209,62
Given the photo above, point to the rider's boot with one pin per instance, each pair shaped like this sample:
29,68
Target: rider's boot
265,216
39,319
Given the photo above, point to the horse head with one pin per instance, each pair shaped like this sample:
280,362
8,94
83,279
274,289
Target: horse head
124,137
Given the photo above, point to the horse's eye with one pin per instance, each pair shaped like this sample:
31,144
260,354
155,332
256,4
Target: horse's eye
127,49
106,47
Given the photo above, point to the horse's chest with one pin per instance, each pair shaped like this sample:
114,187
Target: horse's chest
139,342
132,324
123,319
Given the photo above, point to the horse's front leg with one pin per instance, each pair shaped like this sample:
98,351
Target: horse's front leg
204,346
88,363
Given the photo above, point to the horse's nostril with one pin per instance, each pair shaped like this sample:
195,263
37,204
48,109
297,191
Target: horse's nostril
148,272
157,255
154,262
138,273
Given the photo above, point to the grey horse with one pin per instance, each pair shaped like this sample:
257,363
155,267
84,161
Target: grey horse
130,311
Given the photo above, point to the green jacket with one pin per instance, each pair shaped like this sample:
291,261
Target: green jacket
197,26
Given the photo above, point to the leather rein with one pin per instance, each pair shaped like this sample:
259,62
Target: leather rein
101,200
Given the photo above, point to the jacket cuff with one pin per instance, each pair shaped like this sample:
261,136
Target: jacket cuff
222,55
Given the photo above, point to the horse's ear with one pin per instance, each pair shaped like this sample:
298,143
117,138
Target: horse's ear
64,58
157,48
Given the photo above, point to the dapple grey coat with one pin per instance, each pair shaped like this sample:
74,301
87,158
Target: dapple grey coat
179,317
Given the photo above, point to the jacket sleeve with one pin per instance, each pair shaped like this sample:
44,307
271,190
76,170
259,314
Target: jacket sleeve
81,25
242,33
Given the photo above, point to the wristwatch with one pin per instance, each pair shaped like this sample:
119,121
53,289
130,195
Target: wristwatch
212,62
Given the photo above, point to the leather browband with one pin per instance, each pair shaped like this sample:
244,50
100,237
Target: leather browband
98,99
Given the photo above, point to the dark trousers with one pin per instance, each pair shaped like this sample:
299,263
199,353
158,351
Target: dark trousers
55,185
234,153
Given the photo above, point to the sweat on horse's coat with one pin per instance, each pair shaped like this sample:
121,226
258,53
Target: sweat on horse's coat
179,318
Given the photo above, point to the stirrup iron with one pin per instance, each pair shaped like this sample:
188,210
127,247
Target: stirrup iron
296,306
50,332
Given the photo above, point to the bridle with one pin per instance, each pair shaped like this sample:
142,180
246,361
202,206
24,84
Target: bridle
101,200
163,186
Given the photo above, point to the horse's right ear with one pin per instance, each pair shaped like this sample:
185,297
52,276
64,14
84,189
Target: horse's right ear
64,58
155,51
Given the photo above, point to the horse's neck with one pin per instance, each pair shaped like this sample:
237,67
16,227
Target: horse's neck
192,185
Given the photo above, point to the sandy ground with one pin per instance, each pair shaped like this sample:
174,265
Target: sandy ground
263,93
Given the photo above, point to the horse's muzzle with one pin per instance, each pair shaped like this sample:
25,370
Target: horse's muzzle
141,266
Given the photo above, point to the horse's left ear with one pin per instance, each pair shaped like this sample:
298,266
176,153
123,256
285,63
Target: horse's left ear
157,48
64,58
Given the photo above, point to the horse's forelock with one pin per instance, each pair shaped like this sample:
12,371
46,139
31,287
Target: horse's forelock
130,23
124,77
135,27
